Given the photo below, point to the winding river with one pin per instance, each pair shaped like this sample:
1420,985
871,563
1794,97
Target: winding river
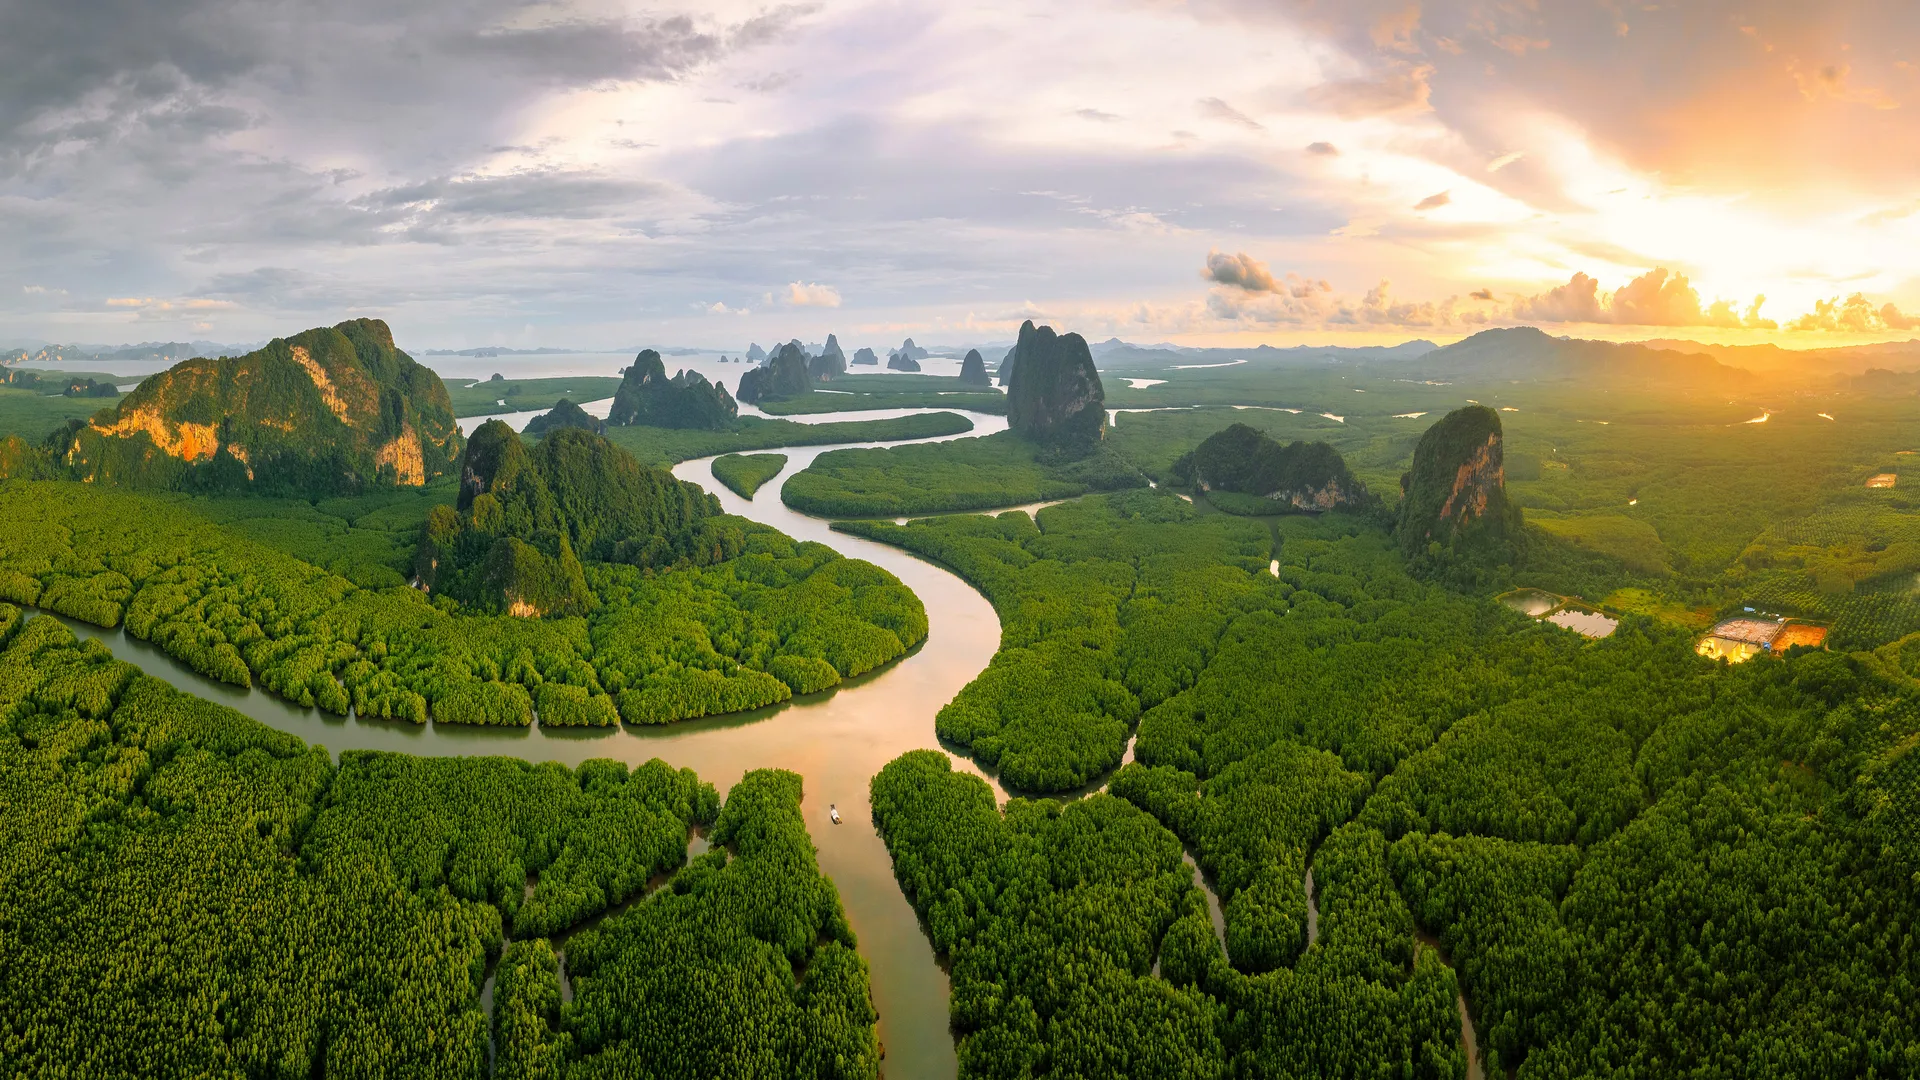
837,741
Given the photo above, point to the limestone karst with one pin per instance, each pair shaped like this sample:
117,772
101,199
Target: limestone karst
1055,396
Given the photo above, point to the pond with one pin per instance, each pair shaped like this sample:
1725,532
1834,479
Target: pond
1591,623
1533,603
1560,611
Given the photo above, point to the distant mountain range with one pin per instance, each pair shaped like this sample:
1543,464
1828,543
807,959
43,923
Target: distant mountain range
1524,353
1506,353
160,353
1848,360
488,352
1114,353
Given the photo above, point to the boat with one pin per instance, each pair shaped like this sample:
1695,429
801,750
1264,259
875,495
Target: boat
834,813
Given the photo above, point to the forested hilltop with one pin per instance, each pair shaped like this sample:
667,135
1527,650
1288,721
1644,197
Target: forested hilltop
325,411
184,891
1630,859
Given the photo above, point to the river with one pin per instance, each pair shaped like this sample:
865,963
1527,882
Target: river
837,741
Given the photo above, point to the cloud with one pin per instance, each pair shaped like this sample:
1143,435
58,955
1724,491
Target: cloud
1220,110
1855,315
593,50
147,308
1243,289
1394,30
770,82
1308,305
1655,298
719,307
538,193
812,295
1378,308
1481,294
1434,201
1576,301
1520,44
1323,149
1241,271
1096,116
1400,89
1505,160
1832,81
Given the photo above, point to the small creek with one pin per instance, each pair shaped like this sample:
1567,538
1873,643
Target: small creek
1469,1041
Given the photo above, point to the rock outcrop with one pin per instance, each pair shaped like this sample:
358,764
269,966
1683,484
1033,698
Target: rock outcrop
973,369
1453,505
688,400
866,356
1005,374
911,351
324,411
87,388
902,362
1055,396
830,364
1302,475
756,354
785,375
565,414
527,517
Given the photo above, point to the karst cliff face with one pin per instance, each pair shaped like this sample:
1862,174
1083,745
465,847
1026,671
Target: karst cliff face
973,369
329,409
830,364
786,375
688,400
1454,499
1055,395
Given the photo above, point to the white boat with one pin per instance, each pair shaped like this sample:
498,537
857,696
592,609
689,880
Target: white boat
834,813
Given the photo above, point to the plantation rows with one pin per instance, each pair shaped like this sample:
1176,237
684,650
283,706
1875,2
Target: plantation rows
1635,861
184,891
781,618
1857,620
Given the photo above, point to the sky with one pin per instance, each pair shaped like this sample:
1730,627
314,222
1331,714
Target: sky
609,175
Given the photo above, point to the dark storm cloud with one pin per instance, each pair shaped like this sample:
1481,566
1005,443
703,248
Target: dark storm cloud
129,52
89,70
